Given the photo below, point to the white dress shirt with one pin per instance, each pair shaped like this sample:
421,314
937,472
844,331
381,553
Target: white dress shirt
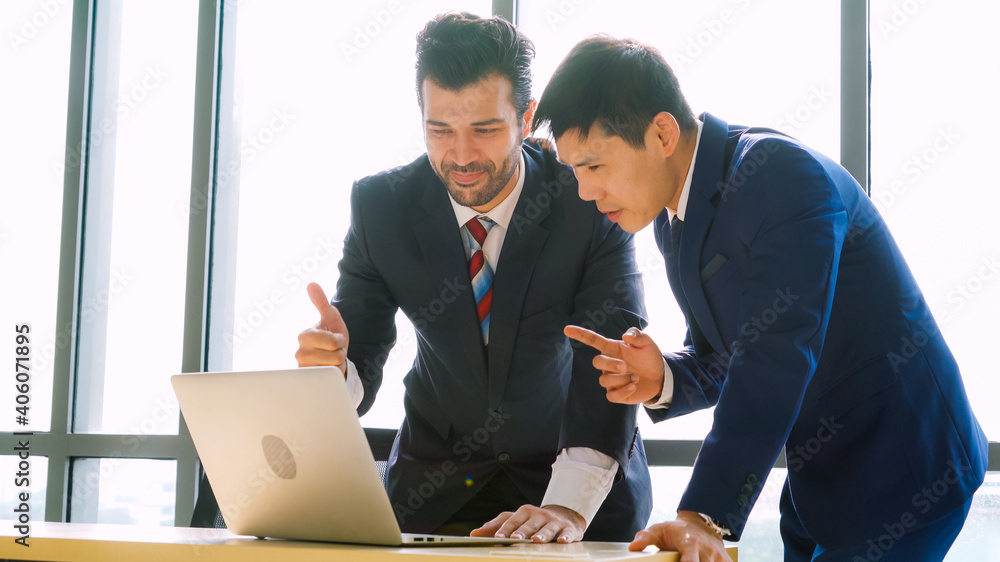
581,476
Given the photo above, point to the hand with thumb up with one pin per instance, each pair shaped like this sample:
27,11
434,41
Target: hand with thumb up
326,342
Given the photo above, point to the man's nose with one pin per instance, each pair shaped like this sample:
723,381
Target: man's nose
589,190
464,151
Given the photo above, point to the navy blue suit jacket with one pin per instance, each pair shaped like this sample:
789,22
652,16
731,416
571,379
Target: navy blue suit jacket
468,416
808,332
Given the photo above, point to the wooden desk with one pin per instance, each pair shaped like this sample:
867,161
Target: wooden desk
79,542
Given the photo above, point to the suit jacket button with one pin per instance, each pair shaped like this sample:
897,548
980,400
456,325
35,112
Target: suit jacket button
743,501
503,458
752,479
747,489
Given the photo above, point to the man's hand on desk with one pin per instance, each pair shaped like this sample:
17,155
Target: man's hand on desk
540,524
326,342
632,368
688,534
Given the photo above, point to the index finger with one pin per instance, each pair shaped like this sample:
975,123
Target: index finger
593,339
491,527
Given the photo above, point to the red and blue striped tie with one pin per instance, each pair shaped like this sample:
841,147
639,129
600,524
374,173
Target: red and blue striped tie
480,272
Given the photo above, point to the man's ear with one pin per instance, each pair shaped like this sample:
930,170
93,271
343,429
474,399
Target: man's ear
667,131
529,114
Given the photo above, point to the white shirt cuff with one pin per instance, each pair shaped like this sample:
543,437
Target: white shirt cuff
355,389
581,480
667,394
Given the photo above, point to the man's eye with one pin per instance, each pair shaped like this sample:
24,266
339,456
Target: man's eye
485,131
594,167
440,131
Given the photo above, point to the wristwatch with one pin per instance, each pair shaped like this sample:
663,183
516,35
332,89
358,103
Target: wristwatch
719,530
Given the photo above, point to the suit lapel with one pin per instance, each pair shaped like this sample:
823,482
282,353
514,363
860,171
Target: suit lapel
697,219
522,245
662,224
441,243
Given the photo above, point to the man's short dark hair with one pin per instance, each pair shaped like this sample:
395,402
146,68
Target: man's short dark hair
458,49
620,84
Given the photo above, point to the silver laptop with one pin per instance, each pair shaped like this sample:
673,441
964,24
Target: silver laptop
287,458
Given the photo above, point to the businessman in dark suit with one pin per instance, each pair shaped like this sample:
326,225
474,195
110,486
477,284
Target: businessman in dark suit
806,329
487,248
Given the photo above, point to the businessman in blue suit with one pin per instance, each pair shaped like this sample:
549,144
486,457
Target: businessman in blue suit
806,329
485,245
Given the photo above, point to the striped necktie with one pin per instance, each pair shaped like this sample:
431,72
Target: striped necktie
480,271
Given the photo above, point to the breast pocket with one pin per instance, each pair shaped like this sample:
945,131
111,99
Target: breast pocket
720,280
539,321
717,273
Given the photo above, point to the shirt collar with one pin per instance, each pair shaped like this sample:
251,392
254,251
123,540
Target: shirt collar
502,213
686,189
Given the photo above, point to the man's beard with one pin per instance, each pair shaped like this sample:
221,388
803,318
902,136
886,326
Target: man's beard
496,180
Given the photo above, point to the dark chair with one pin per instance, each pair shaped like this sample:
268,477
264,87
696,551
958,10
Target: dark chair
206,508
381,440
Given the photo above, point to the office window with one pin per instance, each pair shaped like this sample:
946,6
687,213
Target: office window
979,539
135,242
35,52
122,491
328,97
935,74
773,64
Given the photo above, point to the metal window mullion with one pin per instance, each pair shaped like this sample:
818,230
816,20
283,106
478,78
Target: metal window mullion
196,298
70,253
682,453
659,452
507,9
225,209
95,233
97,445
855,64
679,453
